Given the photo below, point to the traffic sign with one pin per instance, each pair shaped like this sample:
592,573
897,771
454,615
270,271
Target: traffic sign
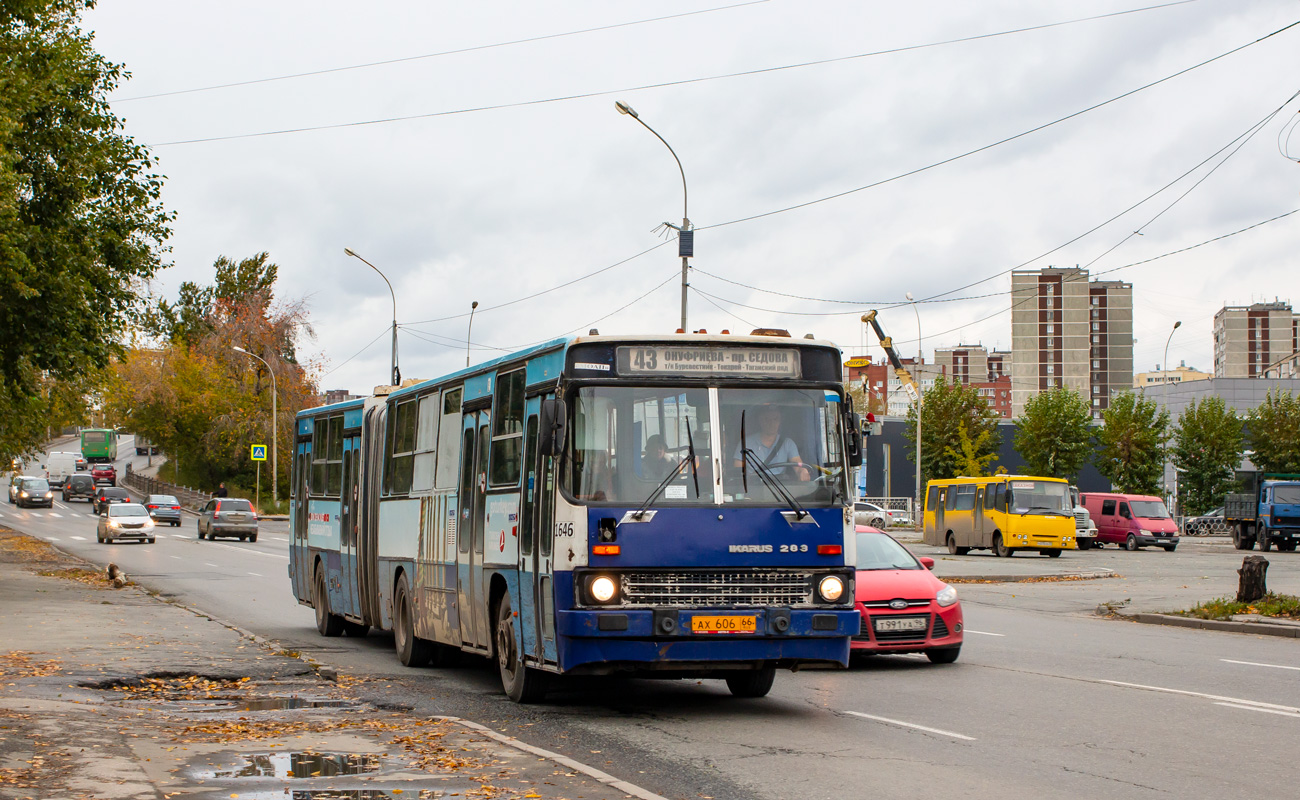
259,452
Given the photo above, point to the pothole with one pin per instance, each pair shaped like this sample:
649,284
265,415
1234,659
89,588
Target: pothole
241,704
299,765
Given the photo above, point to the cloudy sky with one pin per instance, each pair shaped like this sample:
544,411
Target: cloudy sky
839,154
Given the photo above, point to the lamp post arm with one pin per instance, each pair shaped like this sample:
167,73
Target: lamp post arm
685,197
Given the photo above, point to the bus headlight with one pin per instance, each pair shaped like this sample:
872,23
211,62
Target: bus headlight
946,596
830,588
602,589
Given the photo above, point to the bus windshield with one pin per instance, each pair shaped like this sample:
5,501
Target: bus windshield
626,440
1149,509
1028,497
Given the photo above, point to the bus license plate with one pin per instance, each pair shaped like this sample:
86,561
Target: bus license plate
911,624
711,624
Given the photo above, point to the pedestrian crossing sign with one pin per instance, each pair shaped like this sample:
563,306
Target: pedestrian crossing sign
259,452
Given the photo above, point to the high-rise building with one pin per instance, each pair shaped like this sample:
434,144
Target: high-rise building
1069,331
973,365
1259,340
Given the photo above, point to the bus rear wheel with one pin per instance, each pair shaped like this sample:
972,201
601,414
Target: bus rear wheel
752,683
327,624
954,549
412,651
522,683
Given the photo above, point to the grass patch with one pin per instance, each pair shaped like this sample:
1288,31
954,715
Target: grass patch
97,578
1286,606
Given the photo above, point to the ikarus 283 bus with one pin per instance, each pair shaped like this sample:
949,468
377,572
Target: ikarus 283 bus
676,505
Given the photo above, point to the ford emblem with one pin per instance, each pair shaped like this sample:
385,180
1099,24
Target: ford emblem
898,604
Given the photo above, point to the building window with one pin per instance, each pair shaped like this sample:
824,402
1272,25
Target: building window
1096,327
1050,368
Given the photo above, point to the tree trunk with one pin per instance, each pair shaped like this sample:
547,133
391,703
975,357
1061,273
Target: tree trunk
1252,572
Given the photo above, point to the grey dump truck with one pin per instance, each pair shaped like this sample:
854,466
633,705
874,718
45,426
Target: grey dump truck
1265,512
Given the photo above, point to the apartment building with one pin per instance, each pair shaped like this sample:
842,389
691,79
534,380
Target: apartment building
973,365
1067,330
1255,341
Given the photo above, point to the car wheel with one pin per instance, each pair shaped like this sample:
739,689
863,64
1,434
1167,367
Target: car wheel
252,538
1131,543
176,524
521,683
1169,548
879,522
1000,548
243,538
412,651
326,623
200,527
108,540
945,655
752,683
150,540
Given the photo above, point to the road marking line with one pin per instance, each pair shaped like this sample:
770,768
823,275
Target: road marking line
248,550
1216,697
78,538
984,633
910,725
210,564
278,538
254,574
178,558
1257,664
177,536
55,514
1264,710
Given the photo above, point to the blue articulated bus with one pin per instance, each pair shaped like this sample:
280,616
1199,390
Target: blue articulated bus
668,505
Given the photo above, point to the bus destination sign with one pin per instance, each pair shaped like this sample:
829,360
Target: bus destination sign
762,362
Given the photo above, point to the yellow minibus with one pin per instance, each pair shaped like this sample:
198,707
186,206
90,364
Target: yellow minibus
1003,513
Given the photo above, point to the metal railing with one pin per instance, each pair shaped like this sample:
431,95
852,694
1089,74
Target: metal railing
190,498
903,504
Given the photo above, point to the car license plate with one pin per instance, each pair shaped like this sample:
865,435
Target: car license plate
905,624
712,624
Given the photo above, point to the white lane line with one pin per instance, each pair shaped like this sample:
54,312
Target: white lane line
278,538
55,514
1263,710
984,633
210,564
910,725
1257,664
177,536
254,574
178,558
247,550
1215,697
50,539
78,538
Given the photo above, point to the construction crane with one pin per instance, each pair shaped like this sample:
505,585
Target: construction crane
905,377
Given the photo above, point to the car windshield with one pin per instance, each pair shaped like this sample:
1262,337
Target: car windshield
1286,494
36,486
128,510
1030,496
162,500
234,505
879,551
1149,509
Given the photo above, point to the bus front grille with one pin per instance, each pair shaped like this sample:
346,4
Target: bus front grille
773,588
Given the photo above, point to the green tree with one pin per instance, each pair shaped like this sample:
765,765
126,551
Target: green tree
1275,433
972,454
947,409
82,225
1054,434
1207,449
1132,438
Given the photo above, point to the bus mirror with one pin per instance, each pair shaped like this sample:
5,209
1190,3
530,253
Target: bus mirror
855,440
550,439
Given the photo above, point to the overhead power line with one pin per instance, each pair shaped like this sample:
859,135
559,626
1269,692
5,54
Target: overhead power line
681,82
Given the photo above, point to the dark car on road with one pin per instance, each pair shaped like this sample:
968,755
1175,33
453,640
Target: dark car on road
107,496
79,487
34,492
164,508
228,516
104,472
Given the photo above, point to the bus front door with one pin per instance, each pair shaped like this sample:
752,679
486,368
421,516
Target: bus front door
299,554
940,527
349,517
979,523
536,611
470,581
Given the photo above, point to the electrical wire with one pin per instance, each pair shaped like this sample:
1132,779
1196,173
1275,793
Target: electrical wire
386,329
405,59
704,79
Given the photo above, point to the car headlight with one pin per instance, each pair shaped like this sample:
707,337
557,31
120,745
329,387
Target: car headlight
830,588
112,523
946,596
148,523
602,589
49,495
22,494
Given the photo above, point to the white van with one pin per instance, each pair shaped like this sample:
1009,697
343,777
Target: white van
60,466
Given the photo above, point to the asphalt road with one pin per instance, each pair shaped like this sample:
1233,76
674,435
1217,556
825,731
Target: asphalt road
1045,700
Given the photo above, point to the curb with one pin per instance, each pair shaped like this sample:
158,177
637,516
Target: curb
1261,628
1063,576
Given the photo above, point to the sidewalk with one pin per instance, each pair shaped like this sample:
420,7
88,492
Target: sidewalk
114,694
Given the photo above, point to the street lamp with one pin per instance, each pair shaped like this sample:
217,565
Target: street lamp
1164,402
685,236
469,330
275,474
397,374
919,383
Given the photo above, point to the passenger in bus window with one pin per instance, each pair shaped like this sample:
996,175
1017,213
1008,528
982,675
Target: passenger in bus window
772,447
655,464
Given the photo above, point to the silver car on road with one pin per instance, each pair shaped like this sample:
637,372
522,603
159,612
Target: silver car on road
125,521
228,516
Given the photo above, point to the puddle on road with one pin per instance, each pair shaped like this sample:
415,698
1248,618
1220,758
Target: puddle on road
240,704
299,765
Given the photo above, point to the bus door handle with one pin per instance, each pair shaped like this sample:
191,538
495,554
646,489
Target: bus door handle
717,472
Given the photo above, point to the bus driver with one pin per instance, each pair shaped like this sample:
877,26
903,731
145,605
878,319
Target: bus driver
770,447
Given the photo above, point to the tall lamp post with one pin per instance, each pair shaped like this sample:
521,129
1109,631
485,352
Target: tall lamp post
469,330
919,353
685,236
396,373
275,473
1164,402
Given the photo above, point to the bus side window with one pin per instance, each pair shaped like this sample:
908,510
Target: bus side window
1000,498
546,512
507,430
931,497
990,495
952,498
530,488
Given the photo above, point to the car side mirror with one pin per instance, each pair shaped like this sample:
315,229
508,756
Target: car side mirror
927,562
551,435
855,439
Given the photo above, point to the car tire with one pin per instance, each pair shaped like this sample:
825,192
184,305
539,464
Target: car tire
879,522
327,624
1169,548
521,683
176,524
1131,543
412,651
945,655
1000,548
150,540
252,538
752,683
200,527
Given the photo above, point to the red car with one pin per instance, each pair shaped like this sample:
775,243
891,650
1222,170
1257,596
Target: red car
104,472
904,607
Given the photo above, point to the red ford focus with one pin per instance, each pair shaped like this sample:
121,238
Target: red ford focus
904,607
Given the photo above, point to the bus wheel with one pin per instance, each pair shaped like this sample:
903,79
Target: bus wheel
1000,548
326,623
412,651
1051,553
754,683
954,549
522,684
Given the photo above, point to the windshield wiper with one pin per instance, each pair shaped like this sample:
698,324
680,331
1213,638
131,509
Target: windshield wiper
695,473
1055,511
774,483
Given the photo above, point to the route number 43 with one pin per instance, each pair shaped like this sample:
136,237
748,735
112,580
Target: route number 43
563,529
